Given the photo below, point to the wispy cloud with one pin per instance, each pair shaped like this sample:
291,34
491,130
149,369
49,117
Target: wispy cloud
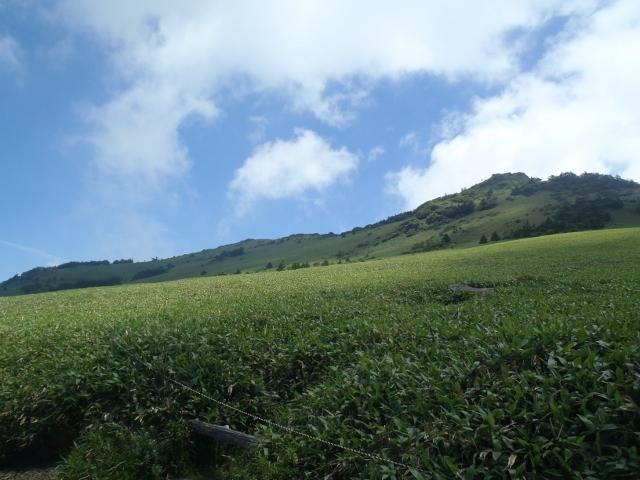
10,54
375,152
52,259
412,142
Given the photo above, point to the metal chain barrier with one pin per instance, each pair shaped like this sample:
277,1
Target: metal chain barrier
365,455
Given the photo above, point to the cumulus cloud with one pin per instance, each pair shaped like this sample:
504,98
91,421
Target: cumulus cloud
286,168
10,53
578,110
172,59
136,134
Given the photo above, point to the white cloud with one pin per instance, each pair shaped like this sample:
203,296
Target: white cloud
412,142
375,152
282,168
136,134
579,110
409,140
10,54
171,59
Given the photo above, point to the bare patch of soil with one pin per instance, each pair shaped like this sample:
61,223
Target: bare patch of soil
35,474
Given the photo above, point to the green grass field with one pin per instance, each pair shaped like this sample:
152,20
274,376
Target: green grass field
539,378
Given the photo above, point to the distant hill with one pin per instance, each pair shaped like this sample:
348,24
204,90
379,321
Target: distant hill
506,206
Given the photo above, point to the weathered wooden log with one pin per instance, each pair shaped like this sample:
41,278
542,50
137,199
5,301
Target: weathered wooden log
224,434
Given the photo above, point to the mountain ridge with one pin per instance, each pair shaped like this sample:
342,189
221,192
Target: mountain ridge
504,206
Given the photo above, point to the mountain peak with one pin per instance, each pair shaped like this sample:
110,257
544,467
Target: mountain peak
505,179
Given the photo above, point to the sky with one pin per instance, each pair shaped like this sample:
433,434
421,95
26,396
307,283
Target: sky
156,128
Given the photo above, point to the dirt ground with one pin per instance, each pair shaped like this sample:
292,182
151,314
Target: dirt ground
37,474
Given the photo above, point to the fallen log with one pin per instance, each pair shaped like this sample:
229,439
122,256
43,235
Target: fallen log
224,434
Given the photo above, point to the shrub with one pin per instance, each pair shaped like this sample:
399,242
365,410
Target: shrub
459,209
487,203
149,272
115,452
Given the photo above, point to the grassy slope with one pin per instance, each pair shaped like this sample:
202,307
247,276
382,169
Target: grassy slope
380,240
539,376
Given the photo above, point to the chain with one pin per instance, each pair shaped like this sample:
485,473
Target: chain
366,455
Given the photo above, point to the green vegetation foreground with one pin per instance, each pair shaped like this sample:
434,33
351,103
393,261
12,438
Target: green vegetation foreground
539,377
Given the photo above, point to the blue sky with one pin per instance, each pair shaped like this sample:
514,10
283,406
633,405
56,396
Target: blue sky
139,129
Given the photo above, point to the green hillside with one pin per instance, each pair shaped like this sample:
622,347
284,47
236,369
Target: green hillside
537,377
502,207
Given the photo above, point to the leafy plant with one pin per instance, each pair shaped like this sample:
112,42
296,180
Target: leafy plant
536,378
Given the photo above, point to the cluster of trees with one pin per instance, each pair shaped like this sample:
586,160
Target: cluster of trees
488,201
392,219
31,279
296,265
432,243
280,267
438,212
493,238
236,252
39,287
152,272
459,209
93,263
410,227
583,214
149,272
28,275
434,214
570,182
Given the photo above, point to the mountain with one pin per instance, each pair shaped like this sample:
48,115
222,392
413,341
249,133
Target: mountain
506,206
